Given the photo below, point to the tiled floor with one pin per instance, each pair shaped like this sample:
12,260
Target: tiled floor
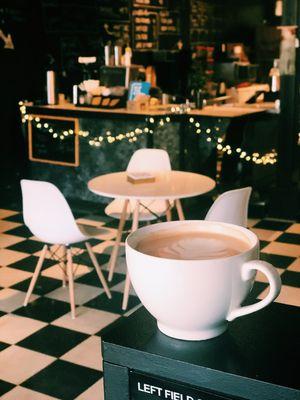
44,354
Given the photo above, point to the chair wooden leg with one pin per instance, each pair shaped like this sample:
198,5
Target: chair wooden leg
115,250
126,292
71,282
179,210
35,274
64,267
135,224
168,212
98,269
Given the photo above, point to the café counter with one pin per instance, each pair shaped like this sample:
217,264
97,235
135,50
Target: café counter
69,145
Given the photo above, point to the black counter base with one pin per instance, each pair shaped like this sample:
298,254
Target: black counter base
254,360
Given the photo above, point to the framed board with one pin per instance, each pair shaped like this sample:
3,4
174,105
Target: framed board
43,147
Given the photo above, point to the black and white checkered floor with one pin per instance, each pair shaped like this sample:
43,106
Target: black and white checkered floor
44,354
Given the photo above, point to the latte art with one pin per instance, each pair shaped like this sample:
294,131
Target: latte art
191,245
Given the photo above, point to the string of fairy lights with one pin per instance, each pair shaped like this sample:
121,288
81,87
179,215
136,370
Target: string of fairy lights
255,157
213,135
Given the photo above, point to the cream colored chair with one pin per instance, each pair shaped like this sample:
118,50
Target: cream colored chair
231,207
48,216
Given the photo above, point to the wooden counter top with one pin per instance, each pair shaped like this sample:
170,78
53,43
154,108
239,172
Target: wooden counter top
233,111
223,111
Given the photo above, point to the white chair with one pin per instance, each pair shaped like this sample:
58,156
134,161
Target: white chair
231,207
143,160
48,216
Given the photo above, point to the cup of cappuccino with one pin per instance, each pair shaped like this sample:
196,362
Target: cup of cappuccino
193,276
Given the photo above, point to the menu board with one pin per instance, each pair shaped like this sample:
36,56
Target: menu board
168,22
149,3
43,147
154,28
144,29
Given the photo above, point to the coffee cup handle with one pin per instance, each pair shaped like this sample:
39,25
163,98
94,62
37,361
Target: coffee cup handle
274,281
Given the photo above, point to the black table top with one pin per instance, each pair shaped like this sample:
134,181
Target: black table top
259,352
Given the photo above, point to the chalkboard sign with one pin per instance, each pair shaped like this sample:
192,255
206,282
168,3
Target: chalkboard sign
144,29
48,146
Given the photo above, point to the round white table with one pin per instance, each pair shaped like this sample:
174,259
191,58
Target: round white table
168,186
171,185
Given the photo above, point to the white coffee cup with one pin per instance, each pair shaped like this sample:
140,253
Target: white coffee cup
195,299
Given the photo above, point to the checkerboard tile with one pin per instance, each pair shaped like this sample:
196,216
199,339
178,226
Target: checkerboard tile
27,246
5,387
64,354
55,271
53,340
286,249
19,392
8,257
10,276
8,225
12,299
7,213
295,228
14,328
14,359
44,309
16,217
87,353
29,263
63,379
94,392
83,293
43,286
88,320
9,240
295,266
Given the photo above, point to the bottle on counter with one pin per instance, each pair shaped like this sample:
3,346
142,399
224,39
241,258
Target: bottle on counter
127,56
274,74
52,93
198,98
108,55
118,55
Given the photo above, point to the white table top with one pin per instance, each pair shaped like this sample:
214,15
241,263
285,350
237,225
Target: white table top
170,185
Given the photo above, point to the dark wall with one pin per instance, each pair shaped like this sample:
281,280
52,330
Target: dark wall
45,30
253,22
23,20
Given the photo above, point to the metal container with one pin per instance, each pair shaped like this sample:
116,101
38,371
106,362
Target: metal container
199,98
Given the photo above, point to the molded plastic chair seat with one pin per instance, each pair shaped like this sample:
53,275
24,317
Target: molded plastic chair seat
143,160
231,207
48,216
158,208
90,231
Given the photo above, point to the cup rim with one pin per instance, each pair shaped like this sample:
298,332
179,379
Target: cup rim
251,236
